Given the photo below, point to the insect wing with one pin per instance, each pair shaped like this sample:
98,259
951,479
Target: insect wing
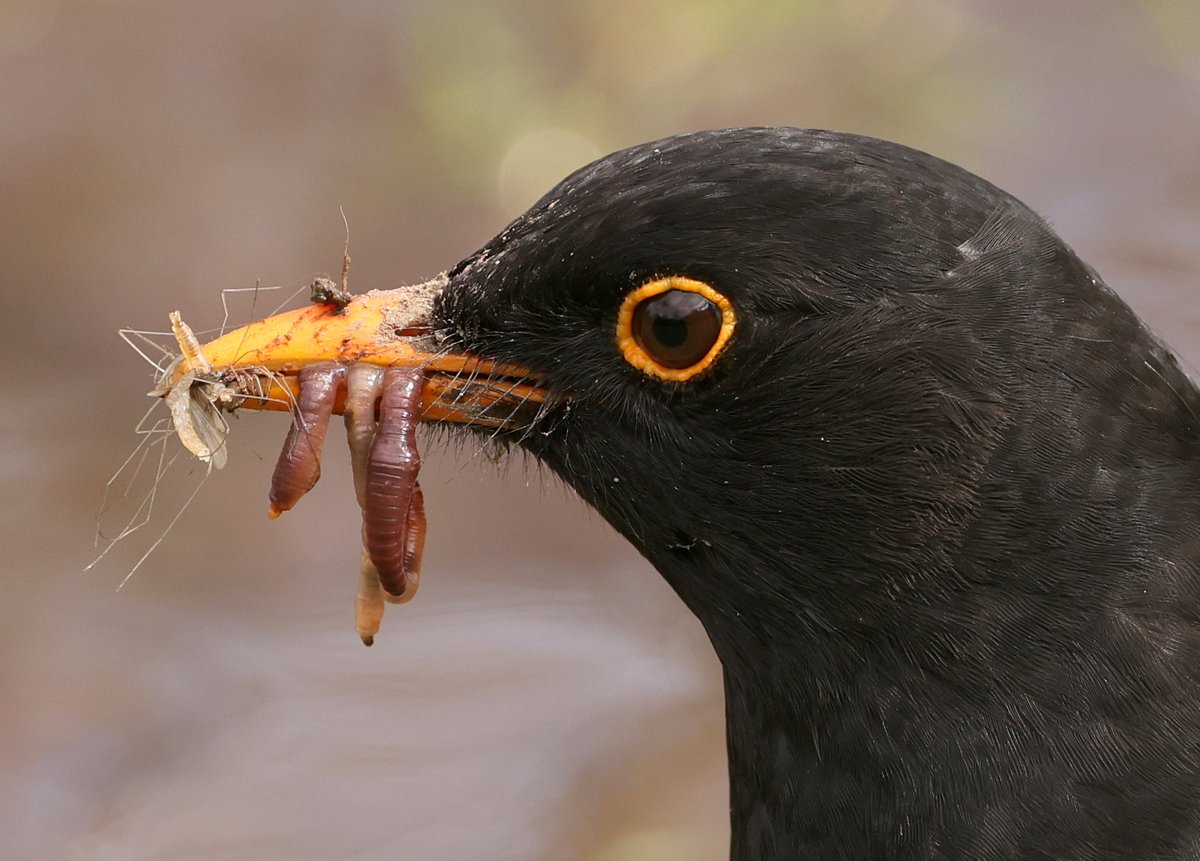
198,422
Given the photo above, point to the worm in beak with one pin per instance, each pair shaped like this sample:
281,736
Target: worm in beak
374,360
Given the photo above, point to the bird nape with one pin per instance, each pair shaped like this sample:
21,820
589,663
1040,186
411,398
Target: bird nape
929,485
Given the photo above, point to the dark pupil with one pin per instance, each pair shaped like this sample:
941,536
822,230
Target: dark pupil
677,328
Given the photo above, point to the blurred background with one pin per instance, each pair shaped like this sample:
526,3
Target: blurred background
545,696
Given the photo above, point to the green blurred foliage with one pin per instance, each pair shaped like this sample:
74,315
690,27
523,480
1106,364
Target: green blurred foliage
1176,24
476,76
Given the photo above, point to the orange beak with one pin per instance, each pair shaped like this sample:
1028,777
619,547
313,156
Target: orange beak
257,365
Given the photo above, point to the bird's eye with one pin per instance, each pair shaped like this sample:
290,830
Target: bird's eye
673,328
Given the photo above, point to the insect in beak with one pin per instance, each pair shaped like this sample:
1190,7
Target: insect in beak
374,360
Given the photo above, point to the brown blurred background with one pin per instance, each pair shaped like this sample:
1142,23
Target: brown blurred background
545,697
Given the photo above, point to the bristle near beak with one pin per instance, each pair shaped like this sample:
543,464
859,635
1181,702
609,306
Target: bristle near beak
259,364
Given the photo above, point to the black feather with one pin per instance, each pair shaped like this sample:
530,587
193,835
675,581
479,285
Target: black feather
936,504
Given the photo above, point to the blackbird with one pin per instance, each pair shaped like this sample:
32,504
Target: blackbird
931,487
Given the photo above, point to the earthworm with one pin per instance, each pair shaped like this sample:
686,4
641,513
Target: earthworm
299,464
393,514
368,603
414,542
364,384
385,462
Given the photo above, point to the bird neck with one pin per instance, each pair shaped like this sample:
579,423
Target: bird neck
815,774
767,753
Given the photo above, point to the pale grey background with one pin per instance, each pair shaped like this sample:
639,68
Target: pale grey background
545,697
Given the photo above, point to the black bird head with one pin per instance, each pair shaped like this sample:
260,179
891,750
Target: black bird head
894,319
928,484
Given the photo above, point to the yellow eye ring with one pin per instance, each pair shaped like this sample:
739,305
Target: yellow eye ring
673,328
